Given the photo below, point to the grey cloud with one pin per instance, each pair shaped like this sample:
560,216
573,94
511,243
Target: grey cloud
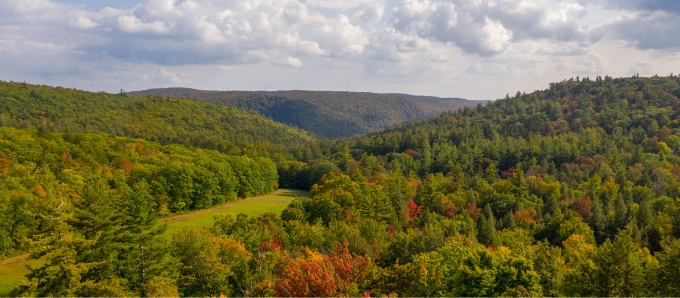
672,6
486,27
653,27
535,22
467,29
646,31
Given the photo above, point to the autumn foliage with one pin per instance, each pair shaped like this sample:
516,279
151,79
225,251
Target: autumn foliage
582,207
473,210
525,217
413,209
321,275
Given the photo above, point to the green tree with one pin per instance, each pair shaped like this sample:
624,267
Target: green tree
59,244
97,218
667,277
146,253
486,227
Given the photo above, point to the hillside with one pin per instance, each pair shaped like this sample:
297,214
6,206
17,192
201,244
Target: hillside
326,113
579,182
179,121
36,167
569,191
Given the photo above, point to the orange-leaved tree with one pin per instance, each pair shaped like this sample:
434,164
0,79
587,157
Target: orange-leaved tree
320,275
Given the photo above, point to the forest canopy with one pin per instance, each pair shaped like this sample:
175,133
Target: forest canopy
569,191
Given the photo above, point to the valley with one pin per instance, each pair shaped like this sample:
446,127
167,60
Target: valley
568,191
326,113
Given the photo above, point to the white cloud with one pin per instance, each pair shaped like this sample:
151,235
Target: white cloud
84,23
338,4
289,61
350,44
168,32
371,14
487,27
131,24
340,38
165,76
392,45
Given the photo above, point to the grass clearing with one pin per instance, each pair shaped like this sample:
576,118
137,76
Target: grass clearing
12,270
274,202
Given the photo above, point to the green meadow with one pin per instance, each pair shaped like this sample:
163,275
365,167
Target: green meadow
12,270
274,202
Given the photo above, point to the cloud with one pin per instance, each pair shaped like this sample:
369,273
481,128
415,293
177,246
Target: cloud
392,45
487,27
371,14
166,76
655,30
290,62
338,4
501,67
560,50
671,6
389,43
83,23
340,38
167,32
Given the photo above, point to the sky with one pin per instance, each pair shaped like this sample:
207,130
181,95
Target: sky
474,49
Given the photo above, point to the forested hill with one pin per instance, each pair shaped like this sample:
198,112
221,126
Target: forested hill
569,191
160,119
327,113
436,105
643,111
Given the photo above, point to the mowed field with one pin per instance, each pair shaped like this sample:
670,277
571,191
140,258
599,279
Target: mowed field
12,270
274,202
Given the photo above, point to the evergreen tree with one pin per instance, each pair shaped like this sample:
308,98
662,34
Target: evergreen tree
60,245
97,218
486,228
146,253
598,221
667,277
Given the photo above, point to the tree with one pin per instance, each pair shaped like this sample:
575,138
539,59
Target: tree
97,218
549,265
486,227
59,244
619,268
145,254
208,262
667,277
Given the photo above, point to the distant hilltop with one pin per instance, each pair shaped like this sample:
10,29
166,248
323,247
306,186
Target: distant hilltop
331,114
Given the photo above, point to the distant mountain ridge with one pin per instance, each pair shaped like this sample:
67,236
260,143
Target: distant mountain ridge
332,114
438,104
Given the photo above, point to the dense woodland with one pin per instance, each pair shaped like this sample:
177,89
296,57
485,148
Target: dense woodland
159,119
569,191
326,113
